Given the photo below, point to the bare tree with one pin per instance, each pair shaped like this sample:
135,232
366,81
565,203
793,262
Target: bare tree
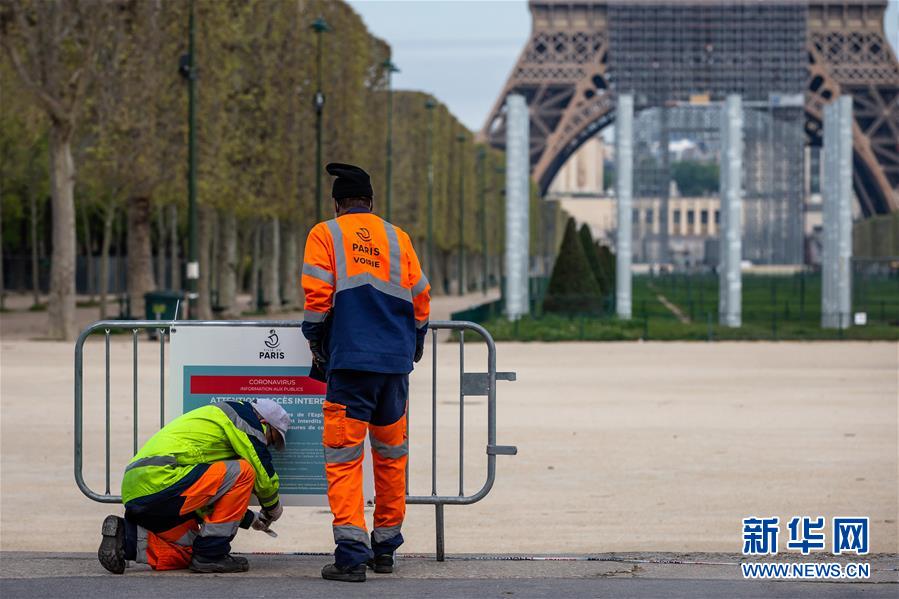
53,48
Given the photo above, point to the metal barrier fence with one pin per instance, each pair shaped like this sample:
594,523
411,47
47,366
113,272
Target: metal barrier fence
470,384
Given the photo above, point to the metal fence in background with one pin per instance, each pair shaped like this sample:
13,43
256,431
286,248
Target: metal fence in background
471,383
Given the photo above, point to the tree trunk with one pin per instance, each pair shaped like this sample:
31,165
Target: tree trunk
270,258
444,271
174,259
227,265
140,253
88,255
244,245
204,232
290,279
61,302
108,220
120,266
2,285
160,248
214,249
35,265
255,268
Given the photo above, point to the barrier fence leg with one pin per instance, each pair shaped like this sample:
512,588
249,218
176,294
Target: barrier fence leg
441,553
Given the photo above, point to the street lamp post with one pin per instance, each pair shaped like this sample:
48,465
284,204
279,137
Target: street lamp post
430,105
319,26
461,139
188,69
391,69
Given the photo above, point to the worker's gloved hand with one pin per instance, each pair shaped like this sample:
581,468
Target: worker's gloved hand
317,353
419,349
258,523
270,514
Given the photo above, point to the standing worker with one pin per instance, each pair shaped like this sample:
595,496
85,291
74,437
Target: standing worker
366,317
187,490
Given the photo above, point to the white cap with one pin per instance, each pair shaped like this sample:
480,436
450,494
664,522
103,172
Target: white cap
275,416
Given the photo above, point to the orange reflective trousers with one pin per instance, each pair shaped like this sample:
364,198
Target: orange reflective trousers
198,514
359,402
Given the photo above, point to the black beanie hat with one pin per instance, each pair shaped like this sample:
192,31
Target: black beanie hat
351,181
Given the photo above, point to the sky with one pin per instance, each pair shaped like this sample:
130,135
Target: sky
462,51
459,51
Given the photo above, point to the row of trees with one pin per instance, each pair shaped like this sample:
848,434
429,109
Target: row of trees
93,140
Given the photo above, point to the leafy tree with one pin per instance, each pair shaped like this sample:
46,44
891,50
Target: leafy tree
695,178
24,185
53,48
572,288
127,131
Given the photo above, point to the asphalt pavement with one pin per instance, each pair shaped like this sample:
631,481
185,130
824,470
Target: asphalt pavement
650,575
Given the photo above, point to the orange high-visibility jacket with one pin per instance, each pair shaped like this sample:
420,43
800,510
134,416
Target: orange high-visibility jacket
364,271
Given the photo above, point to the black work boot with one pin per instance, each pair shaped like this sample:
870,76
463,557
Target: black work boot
219,565
382,564
349,574
112,548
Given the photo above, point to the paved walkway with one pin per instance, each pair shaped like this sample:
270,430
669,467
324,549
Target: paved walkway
289,575
622,446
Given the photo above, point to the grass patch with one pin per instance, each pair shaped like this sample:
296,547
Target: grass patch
586,328
37,307
774,308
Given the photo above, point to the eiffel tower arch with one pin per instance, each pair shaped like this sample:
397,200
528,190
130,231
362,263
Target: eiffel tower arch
581,52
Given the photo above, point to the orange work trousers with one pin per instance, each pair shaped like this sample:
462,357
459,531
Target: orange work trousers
199,514
359,402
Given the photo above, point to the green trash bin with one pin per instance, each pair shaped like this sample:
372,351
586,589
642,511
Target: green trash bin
161,305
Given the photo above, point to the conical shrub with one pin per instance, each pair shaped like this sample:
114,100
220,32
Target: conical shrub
573,288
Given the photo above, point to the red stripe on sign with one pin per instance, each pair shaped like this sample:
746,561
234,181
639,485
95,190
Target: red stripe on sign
257,385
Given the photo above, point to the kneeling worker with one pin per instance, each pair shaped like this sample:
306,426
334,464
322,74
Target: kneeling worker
366,316
187,490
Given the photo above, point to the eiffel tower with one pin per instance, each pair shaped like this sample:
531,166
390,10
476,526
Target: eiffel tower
581,52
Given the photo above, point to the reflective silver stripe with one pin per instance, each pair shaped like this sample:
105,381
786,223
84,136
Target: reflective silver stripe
156,460
318,272
339,253
391,452
241,424
232,471
366,278
310,316
348,532
421,323
385,533
219,529
187,539
338,455
420,286
396,268
267,498
141,557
